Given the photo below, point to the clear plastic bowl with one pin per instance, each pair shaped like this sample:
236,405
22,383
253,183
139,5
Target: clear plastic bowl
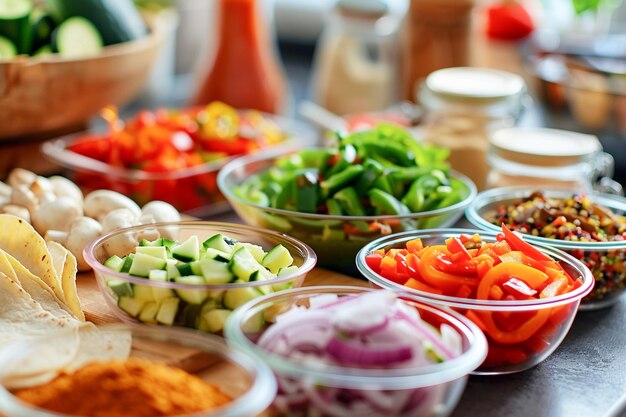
502,358
436,388
250,382
326,234
191,190
610,285
189,315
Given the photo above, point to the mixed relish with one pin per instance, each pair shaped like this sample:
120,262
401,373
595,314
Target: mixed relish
575,219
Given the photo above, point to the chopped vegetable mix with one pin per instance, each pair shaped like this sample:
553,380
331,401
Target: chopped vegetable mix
508,269
575,219
162,142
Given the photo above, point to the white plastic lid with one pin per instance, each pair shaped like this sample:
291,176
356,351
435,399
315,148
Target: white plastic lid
476,83
542,146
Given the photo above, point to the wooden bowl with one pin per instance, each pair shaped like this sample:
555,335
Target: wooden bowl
41,94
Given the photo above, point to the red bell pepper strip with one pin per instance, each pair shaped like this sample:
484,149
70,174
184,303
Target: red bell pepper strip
455,246
518,288
449,283
517,243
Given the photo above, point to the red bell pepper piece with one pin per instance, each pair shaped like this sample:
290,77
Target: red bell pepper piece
517,243
455,246
508,20
518,288
445,264
373,261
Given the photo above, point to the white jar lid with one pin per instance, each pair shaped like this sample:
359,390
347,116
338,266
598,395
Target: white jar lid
475,83
545,147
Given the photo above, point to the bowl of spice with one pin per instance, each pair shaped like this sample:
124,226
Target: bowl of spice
590,227
161,372
354,351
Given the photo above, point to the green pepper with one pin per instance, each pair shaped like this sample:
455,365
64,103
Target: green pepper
315,158
350,201
371,171
340,180
419,189
385,203
334,207
382,183
305,190
347,156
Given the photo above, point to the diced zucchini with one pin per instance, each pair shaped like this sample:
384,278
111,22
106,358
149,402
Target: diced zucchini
159,293
157,242
278,257
239,296
243,264
156,251
184,268
131,305
143,264
254,324
217,242
192,296
187,251
149,312
167,310
128,261
143,292
214,272
172,271
120,287
217,255
114,263
257,252
215,319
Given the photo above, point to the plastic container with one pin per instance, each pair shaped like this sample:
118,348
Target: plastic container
325,233
502,358
552,158
356,65
463,106
435,388
189,315
252,386
610,283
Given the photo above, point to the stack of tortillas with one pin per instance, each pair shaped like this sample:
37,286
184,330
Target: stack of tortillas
38,298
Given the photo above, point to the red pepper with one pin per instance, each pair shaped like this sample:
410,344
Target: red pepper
455,246
508,20
445,264
517,243
518,288
373,261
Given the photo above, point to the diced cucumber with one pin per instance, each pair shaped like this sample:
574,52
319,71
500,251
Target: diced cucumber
192,296
143,292
120,287
156,251
184,268
217,255
214,272
239,296
143,264
157,242
217,242
243,264
215,319
257,252
282,286
287,270
167,310
149,312
187,251
278,257
77,37
172,271
254,324
131,305
128,261
159,293
114,263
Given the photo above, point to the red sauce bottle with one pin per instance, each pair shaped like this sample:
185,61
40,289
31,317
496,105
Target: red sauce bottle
245,72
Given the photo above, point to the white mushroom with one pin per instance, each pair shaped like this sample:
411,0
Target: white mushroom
48,197
20,176
81,232
124,243
163,212
100,203
24,197
56,215
15,210
62,187
5,190
40,186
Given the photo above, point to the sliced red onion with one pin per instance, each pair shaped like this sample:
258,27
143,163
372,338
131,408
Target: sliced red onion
452,339
388,402
322,300
426,332
346,352
365,312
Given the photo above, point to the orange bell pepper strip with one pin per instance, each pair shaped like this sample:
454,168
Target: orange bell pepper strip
420,286
519,335
449,283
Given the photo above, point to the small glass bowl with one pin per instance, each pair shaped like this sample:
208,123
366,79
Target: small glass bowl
308,387
326,234
122,242
249,382
610,283
502,358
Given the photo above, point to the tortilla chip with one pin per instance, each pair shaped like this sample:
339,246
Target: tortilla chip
66,267
21,240
34,286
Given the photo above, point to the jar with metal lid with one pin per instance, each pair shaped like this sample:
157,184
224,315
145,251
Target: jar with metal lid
550,158
356,63
463,105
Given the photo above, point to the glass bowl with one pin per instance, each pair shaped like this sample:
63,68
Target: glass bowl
597,256
192,190
116,286
249,382
503,357
323,390
326,234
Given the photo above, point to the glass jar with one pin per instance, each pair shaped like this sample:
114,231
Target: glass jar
356,64
462,107
550,158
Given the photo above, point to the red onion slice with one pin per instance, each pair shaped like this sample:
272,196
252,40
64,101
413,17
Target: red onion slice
351,353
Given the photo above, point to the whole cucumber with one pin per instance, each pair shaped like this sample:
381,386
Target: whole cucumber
116,20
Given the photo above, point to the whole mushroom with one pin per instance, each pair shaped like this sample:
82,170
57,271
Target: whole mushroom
55,215
62,187
124,243
81,231
101,203
163,212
